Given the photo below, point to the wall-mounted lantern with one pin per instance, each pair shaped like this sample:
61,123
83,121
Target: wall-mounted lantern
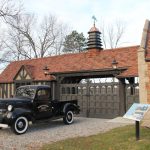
114,64
46,70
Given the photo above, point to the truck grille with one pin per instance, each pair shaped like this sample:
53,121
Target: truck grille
2,106
2,111
1,117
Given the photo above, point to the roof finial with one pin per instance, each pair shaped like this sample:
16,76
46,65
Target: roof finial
94,19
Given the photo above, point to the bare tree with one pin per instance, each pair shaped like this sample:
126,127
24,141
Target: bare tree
26,37
50,32
104,37
120,32
59,43
14,44
112,34
30,39
10,8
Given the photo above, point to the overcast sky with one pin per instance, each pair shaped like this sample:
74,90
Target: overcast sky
78,14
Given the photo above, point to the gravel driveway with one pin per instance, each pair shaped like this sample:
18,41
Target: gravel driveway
51,131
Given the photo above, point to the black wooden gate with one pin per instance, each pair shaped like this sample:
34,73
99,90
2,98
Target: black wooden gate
132,94
100,100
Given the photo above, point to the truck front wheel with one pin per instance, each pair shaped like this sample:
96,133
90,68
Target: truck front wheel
20,125
68,118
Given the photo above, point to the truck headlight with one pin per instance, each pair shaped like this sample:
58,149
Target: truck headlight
10,107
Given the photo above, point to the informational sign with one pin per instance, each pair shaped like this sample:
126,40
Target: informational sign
137,111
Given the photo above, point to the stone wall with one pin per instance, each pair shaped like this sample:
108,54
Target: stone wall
143,76
144,64
144,70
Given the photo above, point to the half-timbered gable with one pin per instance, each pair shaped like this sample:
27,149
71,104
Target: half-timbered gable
24,76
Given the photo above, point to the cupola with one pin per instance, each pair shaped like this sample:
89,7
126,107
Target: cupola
94,40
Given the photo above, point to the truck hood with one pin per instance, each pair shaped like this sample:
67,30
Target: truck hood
15,100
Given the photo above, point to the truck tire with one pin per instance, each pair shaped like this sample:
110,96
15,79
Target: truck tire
20,125
68,117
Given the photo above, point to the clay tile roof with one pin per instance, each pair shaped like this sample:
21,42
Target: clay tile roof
90,60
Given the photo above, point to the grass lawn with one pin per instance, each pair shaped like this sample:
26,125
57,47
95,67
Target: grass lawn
117,139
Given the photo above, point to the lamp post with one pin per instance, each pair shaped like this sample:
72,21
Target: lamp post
114,64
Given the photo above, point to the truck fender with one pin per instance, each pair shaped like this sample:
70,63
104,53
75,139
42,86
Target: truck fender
69,106
21,112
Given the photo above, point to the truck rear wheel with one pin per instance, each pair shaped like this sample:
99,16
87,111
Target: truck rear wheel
20,125
68,118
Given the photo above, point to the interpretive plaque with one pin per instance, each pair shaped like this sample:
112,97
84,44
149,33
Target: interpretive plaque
137,111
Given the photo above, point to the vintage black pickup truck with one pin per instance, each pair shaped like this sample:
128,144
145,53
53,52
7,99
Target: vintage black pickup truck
33,103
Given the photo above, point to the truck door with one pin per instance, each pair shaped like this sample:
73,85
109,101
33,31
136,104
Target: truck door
42,104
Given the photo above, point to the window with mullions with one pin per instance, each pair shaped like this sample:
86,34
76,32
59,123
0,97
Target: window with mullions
73,90
68,90
63,90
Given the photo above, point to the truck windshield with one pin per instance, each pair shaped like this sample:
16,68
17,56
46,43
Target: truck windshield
25,92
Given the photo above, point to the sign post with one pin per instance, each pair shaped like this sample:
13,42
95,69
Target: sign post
137,112
137,130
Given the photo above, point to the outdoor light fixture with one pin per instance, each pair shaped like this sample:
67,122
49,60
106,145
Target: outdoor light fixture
46,70
114,64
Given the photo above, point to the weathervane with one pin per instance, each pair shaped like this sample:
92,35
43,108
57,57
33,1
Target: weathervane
94,19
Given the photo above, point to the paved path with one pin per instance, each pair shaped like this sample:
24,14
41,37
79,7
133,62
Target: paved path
38,134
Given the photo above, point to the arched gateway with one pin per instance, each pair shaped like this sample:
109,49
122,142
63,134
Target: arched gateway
114,75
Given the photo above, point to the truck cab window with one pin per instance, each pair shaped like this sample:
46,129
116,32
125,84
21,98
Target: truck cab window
43,94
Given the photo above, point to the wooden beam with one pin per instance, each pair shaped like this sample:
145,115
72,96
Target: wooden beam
65,77
89,74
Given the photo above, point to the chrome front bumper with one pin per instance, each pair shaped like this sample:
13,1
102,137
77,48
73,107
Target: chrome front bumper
3,125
